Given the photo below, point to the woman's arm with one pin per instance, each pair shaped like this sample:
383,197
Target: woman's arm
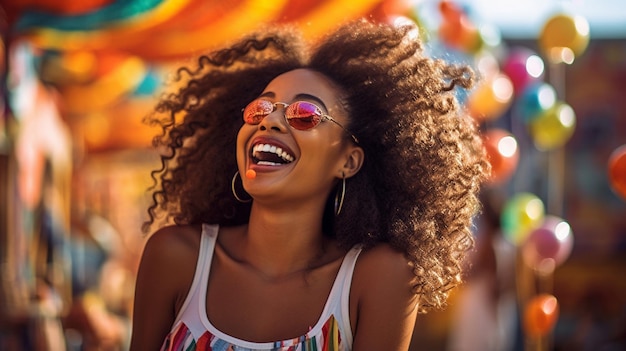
385,307
163,279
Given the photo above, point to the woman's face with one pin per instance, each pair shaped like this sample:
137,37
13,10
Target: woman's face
293,164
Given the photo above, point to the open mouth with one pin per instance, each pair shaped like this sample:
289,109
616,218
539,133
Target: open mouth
270,155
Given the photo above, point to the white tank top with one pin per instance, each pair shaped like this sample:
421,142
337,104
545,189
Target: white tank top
192,329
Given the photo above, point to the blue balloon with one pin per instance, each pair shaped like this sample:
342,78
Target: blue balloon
535,100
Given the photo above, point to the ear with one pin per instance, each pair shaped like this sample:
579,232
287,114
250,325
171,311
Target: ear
354,157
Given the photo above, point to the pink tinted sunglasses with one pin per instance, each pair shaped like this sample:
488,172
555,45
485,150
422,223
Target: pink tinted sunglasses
300,115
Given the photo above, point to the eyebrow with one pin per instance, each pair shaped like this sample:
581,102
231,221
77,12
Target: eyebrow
301,96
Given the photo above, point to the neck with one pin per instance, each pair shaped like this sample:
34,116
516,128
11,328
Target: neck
279,243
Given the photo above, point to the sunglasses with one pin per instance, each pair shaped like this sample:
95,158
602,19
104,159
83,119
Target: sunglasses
300,115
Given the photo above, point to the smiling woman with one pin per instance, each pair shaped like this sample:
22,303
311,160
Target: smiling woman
361,181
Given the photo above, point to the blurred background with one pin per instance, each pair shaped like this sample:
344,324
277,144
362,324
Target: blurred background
78,76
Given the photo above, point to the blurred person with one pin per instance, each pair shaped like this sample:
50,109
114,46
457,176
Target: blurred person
327,217
98,319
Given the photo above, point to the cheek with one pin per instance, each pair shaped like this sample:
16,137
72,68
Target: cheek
322,151
242,136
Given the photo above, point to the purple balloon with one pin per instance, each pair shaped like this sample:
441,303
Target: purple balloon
553,240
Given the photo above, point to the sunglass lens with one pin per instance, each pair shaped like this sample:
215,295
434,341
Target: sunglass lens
303,115
256,111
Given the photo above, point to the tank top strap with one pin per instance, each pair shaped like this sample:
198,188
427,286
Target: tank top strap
338,303
208,241
191,310
346,271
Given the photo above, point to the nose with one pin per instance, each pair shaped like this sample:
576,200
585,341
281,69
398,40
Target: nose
275,120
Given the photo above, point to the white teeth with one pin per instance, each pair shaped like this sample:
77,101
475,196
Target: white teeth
272,149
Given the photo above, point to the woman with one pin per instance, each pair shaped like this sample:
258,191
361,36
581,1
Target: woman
353,212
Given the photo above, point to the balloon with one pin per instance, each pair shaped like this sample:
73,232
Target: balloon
567,33
487,65
554,127
534,100
540,315
551,242
617,170
491,97
503,154
520,215
523,67
489,36
456,29
387,9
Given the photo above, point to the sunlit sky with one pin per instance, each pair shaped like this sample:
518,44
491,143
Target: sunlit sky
525,18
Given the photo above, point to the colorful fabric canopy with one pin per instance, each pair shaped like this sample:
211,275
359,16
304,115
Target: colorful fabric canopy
158,30
106,57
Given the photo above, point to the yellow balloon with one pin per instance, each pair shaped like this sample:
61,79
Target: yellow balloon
564,36
554,127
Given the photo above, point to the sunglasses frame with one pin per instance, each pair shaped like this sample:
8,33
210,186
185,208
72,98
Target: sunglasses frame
323,117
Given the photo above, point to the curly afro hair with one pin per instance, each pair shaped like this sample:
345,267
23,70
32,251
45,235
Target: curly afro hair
424,161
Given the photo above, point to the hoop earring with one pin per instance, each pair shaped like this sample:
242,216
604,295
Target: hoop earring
338,198
232,188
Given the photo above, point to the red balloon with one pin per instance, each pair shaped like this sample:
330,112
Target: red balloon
540,315
503,153
617,170
552,241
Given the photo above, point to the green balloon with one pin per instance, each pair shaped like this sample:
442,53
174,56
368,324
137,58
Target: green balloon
520,215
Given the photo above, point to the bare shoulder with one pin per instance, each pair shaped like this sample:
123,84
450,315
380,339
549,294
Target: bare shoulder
384,264
171,239
170,255
165,274
382,301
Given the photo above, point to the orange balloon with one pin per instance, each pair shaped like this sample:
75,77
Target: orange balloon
617,170
456,29
540,315
503,153
450,11
383,10
491,98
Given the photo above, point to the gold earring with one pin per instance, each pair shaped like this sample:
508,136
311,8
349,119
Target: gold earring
232,188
